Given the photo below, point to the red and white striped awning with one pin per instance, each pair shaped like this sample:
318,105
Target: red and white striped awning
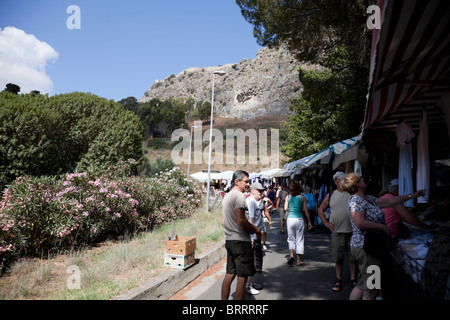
410,63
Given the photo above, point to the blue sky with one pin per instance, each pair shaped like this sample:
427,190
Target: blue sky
122,48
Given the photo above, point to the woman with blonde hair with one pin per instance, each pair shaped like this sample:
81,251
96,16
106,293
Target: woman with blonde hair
366,214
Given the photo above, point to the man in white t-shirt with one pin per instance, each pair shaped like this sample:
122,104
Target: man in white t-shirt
255,217
341,230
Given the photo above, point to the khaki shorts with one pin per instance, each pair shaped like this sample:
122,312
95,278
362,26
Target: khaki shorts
340,243
364,260
240,259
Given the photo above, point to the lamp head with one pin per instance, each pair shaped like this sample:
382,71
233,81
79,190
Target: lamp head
219,72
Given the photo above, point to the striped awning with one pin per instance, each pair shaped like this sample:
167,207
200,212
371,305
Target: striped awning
324,156
410,66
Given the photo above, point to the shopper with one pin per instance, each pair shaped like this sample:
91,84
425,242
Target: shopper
295,222
394,215
237,237
255,210
281,199
341,230
365,214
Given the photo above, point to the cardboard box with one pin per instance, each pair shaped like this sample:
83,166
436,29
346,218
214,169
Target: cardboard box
181,246
179,261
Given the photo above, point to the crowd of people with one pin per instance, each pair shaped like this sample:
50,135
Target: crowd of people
348,212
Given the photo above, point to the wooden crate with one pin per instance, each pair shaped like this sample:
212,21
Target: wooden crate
181,246
179,261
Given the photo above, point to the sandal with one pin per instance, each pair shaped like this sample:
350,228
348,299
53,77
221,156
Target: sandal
300,263
337,286
353,283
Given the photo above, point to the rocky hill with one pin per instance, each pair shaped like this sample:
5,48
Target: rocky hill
251,88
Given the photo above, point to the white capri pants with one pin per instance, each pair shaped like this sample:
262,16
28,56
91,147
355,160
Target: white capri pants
296,234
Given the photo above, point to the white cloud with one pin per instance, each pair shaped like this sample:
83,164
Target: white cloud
23,59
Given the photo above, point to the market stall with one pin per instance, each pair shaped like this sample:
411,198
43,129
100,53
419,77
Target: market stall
406,130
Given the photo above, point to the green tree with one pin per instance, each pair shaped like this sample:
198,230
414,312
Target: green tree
312,29
329,33
13,88
325,112
129,103
204,110
41,135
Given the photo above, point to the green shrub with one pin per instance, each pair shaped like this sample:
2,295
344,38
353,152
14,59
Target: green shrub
41,135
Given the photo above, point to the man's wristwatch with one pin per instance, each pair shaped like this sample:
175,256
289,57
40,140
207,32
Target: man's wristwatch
410,195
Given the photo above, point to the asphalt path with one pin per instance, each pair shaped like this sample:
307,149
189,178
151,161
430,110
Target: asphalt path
311,281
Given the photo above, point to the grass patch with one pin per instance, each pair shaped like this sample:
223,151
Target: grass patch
111,268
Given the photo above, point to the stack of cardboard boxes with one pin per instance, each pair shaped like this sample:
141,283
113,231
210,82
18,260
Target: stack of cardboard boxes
180,253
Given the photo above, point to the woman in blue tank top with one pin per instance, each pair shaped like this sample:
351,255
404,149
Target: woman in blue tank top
295,222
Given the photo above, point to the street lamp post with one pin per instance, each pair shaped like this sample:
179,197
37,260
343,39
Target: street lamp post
190,147
210,139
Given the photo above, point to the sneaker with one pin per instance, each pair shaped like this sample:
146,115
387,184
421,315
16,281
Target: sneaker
257,286
252,290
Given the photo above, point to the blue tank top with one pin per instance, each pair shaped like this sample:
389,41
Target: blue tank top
295,207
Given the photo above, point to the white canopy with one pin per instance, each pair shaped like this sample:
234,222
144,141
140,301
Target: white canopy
226,175
203,176
200,176
269,174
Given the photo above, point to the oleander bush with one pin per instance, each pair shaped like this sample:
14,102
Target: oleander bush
44,215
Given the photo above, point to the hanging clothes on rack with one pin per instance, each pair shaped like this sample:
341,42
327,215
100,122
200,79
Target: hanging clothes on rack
404,134
423,159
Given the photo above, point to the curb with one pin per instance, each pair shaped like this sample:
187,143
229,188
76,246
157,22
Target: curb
170,282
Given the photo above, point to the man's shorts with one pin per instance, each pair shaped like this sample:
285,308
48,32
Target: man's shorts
240,259
340,243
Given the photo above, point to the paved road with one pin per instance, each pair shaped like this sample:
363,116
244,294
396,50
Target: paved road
312,281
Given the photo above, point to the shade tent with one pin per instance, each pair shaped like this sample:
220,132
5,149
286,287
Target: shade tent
410,64
300,163
324,156
269,174
203,176
200,176
283,173
254,175
355,152
410,76
226,175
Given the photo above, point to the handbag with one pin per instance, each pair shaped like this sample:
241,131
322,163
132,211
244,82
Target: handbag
403,231
377,243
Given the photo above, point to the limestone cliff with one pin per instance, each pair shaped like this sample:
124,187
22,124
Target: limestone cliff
263,86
